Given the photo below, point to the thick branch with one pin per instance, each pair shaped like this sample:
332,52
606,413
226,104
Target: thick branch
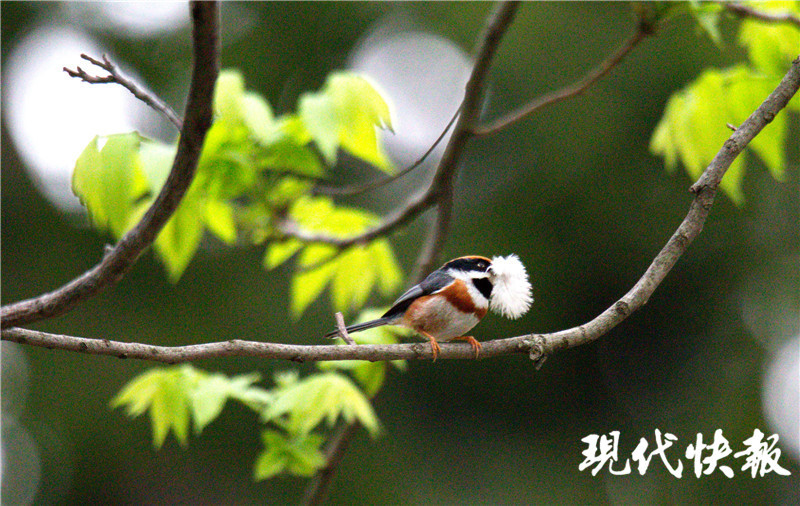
566,92
536,344
115,75
122,256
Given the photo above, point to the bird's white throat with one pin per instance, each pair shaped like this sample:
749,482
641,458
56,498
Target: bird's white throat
511,293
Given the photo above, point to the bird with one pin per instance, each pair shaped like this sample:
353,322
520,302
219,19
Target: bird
451,300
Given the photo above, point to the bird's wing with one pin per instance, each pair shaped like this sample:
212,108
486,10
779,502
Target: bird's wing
433,283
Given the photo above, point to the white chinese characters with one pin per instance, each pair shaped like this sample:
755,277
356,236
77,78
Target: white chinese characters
760,455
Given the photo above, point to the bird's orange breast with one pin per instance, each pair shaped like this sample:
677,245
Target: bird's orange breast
445,314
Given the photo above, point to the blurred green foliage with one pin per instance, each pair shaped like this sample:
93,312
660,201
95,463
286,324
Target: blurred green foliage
252,170
694,124
179,396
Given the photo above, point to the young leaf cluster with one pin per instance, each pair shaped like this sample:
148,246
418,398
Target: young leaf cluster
351,273
694,122
296,411
254,170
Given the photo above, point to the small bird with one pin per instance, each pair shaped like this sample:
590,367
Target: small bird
453,299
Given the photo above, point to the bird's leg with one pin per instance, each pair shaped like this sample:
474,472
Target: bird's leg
434,345
476,345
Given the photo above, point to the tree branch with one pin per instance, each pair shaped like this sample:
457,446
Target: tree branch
358,189
443,177
566,92
116,76
770,17
121,257
434,241
537,345
440,191
317,488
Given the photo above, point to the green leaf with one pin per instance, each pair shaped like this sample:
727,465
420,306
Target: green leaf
306,456
228,93
361,110
274,459
110,180
280,252
693,128
157,159
345,114
353,279
219,220
300,456
169,410
308,284
174,395
178,241
212,392
257,116
353,273
285,154
137,395
227,168
771,46
707,15
320,117
164,392
306,403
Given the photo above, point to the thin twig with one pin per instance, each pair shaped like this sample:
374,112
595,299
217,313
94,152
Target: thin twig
537,345
116,76
770,17
358,189
342,328
413,207
566,92
117,261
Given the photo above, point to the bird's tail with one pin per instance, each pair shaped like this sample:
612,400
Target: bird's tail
358,327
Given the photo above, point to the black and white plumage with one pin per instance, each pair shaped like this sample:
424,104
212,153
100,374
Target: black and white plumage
453,299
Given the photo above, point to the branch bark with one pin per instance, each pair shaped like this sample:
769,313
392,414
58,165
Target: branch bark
358,189
116,76
567,92
770,17
124,254
536,345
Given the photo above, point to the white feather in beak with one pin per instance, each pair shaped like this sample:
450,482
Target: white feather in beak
511,294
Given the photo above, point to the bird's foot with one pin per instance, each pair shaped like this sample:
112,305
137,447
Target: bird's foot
476,345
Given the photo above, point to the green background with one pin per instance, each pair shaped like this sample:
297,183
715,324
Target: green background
572,190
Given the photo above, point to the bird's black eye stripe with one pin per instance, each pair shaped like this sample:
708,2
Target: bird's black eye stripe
484,286
468,264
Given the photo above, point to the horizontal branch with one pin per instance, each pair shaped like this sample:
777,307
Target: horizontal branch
537,345
116,76
119,259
